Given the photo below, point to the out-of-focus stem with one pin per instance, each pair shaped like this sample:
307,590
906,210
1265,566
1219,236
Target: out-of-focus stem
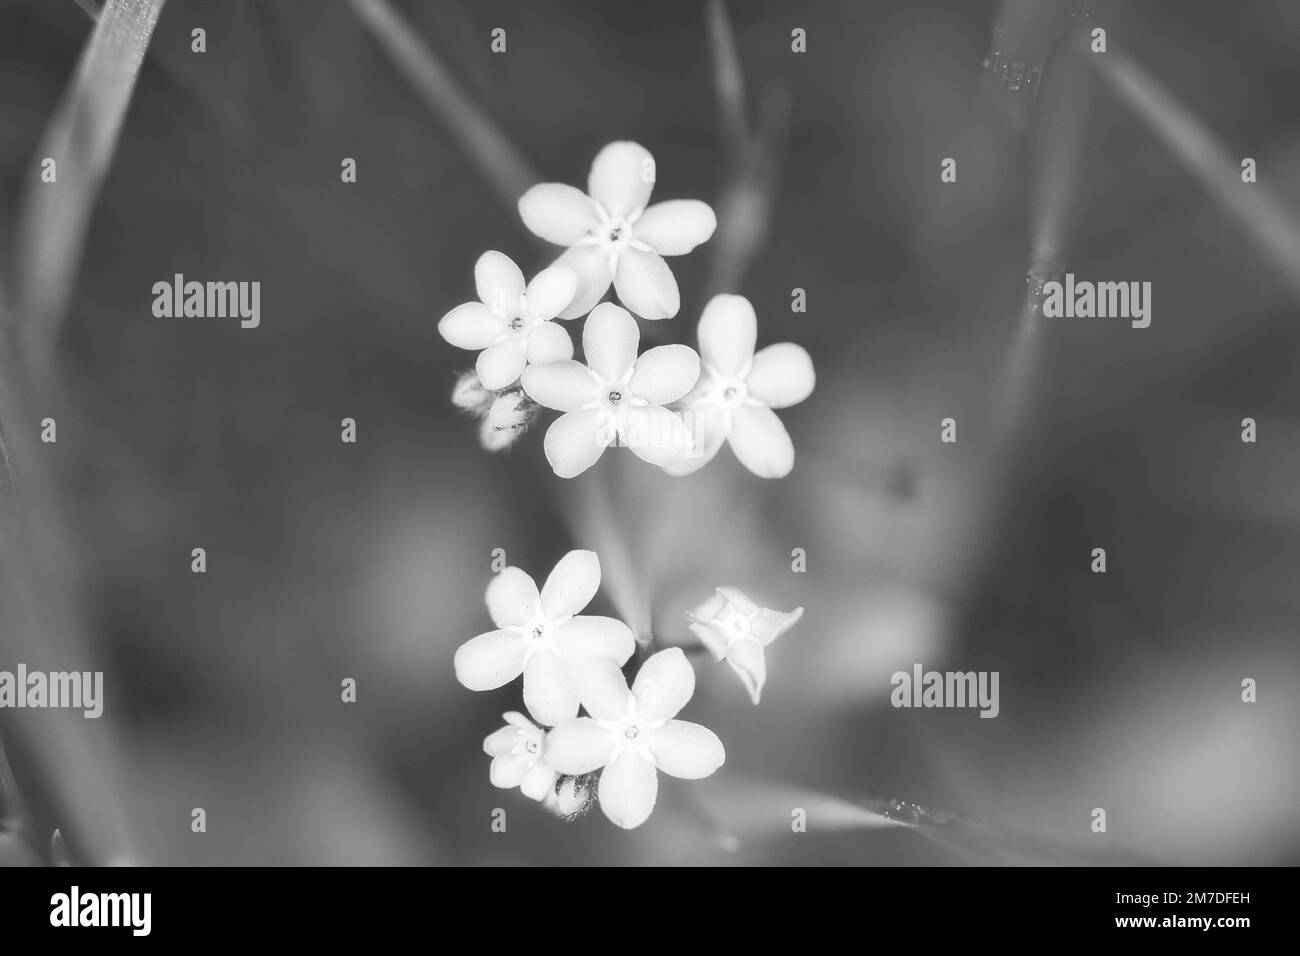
491,151
81,138
1261,212
753,158
11,802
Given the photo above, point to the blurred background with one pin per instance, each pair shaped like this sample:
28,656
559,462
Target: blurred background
329,560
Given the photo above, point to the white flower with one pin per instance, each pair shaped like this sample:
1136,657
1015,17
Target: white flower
614,237
737,390
735,629
516,752
633,736
615,396
511,324
540,637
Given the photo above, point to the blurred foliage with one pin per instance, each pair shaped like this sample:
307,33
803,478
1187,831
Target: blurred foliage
329,560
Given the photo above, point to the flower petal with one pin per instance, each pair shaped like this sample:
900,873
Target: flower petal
508,770
601,688
559,213
646,285
548,693
571,585
511,597
588,636
676,227
782,375
500,365
471,326
709,425
499,283
628,787
590,263
715,638
549,342
564,385
656,435
768,624
747,659
551,291
578,746
665,373
490,660
501,741
622,178
686,750
739,600
609,342
761,442
538,782
727,332
663,685
576,440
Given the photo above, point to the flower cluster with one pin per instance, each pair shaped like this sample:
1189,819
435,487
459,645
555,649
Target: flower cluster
670,406
569,660
586,735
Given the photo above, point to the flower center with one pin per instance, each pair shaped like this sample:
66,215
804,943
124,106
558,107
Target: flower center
615,397
537,630
532,746
516,324
632,732
737,622
732,393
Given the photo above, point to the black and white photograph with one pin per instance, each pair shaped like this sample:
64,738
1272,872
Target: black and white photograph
713,433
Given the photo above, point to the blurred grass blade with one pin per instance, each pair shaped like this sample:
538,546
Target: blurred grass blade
754,158
482,140
81,138
756,807
1262,213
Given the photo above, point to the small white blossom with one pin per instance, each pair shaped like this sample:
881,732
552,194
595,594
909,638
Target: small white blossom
737,390
616,396
736,629
614,237
516,752
633,736
511,324
540,636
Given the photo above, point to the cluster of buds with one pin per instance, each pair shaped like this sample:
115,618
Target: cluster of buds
503,416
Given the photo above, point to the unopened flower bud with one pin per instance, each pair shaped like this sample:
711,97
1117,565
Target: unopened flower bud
470,394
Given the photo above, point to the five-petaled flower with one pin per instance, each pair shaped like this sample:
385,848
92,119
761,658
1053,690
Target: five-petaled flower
614,237
632,734
616,396
516,752
511,323
736,629
737,390
540,636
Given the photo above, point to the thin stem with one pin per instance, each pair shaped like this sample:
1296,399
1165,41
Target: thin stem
753,158
1262,214
492,152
